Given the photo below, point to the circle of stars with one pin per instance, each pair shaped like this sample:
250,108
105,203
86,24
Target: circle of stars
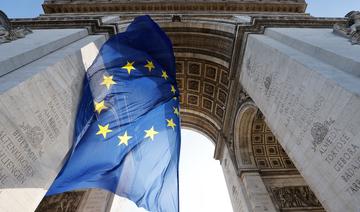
150,133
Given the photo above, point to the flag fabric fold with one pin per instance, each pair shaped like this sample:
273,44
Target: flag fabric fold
127,130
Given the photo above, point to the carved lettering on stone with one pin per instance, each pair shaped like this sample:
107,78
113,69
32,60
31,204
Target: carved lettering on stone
305,107
286,95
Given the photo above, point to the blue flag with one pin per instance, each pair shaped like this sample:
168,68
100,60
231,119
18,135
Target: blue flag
127,133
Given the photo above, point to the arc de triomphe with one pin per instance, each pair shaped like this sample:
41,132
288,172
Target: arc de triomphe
275,89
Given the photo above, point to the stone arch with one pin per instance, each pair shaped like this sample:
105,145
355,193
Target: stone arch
242,135
254,144
203,69
286,187
259,156
267,151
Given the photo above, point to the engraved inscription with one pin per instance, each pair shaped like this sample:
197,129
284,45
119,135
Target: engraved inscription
287,97
333,138
16,158
51,119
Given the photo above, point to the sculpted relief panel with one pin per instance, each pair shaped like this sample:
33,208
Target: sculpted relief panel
66,202
8,33
351,29
295,197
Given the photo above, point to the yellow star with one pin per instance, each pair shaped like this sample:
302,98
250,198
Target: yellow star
170,123
175,98
151,133
103,130
173,90
176,111
129,67
164,75
99,106
124,139
149,65
108,81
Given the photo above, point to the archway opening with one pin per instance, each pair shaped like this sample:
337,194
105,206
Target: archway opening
202,182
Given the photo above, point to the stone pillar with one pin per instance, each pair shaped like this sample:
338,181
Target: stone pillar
40,87
248,192
96,200
306,83
257,194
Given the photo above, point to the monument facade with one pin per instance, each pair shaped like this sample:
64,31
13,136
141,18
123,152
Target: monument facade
275,89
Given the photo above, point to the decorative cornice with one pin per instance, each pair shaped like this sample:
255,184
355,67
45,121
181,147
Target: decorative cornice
93,24
174,6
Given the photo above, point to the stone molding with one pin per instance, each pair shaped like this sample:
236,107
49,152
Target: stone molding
93,24
173,6
242,135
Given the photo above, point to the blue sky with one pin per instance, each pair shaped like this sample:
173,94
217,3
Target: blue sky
321,8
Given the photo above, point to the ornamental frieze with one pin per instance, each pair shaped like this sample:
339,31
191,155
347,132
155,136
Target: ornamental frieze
295,197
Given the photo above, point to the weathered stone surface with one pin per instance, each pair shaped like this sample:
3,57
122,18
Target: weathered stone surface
37,108
334,50
235,187
257,194
96,200
34,46
90,200
312,105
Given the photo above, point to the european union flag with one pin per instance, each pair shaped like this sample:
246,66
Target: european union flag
127,134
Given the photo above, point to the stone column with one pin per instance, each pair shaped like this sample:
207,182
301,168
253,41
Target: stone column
248,192
257,194
306,83
40,87
96,201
